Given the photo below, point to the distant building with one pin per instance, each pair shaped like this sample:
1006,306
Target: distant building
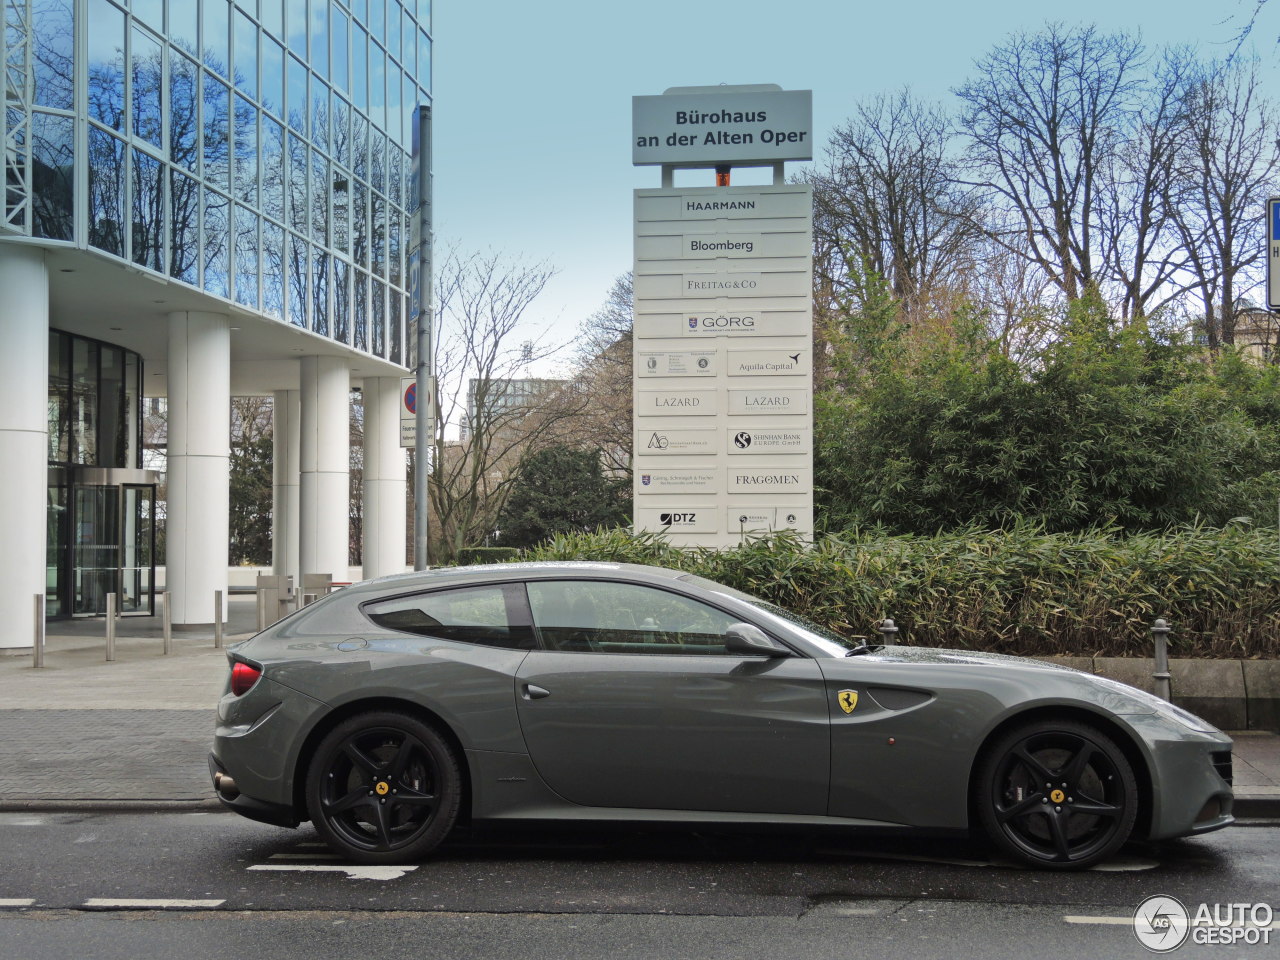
497,401
202,198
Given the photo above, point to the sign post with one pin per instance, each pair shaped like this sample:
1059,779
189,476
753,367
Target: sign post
723,332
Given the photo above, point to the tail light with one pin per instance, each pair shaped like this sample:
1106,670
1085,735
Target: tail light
243,677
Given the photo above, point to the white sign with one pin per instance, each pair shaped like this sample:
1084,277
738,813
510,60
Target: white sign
676,403
683,248
773,402
769,441
721,321
752,518
679,519
684,363
700,125
769,363
663,442
769,480
690,480
733,284
409,407
731,268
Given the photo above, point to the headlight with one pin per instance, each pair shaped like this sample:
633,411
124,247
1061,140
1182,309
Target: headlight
1160,707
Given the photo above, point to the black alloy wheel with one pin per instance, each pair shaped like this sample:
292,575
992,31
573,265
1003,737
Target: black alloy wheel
383,788
1056,794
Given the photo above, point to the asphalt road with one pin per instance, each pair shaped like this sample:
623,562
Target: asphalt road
105,886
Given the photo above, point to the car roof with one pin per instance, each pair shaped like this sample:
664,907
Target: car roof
489,572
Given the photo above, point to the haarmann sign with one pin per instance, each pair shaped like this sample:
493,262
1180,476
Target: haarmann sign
750,124
723,333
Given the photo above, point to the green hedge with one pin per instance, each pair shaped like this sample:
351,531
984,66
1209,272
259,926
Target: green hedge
1018,591
470,555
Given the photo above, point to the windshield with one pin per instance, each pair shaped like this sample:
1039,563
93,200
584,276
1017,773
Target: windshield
830,641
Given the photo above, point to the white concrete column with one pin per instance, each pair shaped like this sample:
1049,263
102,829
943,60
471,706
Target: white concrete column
324,493
24,441
286,431
384,479
198,526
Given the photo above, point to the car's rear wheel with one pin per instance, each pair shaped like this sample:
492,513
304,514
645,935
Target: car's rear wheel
383,787
1056,794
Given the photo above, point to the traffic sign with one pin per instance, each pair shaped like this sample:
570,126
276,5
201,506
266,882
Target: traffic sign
1273,253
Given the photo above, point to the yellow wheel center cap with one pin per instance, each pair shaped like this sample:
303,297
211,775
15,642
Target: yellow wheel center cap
381,788
1057,796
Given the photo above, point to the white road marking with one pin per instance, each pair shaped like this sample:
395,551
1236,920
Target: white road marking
352,872
1128,921
125,904
16,902
304,856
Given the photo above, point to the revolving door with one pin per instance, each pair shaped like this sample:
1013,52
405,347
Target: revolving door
102,539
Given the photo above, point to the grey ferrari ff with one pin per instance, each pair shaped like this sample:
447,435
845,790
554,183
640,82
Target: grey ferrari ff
393,709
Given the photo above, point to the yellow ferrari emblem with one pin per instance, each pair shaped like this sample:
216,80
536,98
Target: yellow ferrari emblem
1057,796
382,787
848,700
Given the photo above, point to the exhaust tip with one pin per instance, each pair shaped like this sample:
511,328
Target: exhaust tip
225,786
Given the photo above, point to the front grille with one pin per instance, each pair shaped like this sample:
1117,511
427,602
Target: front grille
1222,764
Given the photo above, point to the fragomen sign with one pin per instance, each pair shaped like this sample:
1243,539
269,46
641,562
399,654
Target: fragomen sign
758,124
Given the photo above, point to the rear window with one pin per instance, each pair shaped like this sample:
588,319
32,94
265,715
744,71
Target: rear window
490,616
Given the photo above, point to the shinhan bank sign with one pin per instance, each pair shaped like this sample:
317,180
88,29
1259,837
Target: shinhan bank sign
1273,253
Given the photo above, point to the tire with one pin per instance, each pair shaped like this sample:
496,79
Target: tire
383,788
1056,794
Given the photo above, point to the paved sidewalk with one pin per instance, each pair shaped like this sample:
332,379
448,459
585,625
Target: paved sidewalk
135,733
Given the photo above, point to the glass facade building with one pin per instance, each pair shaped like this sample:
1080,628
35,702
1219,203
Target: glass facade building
257,150
252,160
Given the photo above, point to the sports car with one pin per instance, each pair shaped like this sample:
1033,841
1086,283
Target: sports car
394,709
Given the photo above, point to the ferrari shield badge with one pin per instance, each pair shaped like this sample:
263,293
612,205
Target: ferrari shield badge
848,700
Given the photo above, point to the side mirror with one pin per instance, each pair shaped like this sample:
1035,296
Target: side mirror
748,640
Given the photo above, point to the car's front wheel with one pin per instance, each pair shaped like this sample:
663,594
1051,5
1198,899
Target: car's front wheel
383,787
1056,794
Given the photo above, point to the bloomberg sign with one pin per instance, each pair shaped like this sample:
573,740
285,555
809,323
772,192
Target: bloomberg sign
732,267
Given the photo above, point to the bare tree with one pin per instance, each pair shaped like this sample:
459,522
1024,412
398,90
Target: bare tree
1136,221
1040,120
598,398
482,367
1226,165
888,201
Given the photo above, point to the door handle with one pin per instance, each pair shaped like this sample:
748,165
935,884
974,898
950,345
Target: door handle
531,691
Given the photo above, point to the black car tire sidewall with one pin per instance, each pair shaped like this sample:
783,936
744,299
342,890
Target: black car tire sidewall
985,786
448,788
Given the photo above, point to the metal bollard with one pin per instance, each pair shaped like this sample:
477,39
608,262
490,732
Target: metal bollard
111,627
1161,630
37,641
888,632
217,619
166,622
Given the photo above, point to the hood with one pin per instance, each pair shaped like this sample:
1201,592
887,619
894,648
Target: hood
975,658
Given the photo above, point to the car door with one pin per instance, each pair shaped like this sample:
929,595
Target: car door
634,702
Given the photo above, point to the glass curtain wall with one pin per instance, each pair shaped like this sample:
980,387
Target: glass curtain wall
257,150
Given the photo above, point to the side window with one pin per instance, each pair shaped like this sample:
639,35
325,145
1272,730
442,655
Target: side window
492,616
601,617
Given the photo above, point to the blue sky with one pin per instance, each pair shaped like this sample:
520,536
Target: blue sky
533,99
